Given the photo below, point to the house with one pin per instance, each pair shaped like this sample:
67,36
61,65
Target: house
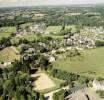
38,28
53,51
98,85
7,63
30,50
51,59
61,49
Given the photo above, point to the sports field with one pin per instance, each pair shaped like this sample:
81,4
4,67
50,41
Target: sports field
90,63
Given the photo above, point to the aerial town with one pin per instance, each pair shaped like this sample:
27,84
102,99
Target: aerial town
52,52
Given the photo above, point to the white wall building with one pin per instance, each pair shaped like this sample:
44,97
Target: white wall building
98,85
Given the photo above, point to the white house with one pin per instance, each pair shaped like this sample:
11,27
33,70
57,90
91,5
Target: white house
98,85
7,63
51,59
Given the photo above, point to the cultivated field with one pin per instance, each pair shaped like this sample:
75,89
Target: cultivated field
90,63
9,54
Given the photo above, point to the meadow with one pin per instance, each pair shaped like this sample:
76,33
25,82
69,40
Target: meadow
91,63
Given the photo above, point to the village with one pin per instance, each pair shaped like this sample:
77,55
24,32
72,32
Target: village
43,57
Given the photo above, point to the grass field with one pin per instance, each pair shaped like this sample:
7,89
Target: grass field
56,29
6,31
29,37
8,54
91,63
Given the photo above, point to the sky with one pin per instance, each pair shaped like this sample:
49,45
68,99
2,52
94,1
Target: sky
45,2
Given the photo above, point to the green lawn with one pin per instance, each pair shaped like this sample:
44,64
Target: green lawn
2,34
91,63
29,37
6,31
56,29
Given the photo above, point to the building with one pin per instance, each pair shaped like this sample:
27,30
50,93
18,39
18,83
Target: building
51,59
98,85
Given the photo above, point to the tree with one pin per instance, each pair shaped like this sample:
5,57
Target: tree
44,62
63,27
59,95
42,97
18,27
99,43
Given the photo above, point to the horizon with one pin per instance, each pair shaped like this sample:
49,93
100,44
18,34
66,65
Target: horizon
24,3
70,5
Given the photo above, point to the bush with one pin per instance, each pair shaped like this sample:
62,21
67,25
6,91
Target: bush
64,75
101,93
99,43
59,95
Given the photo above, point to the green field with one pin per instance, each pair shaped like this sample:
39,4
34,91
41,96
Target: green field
6,31
91,63
8,54
29,37
56,29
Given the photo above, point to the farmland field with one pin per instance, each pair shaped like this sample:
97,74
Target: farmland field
91,63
